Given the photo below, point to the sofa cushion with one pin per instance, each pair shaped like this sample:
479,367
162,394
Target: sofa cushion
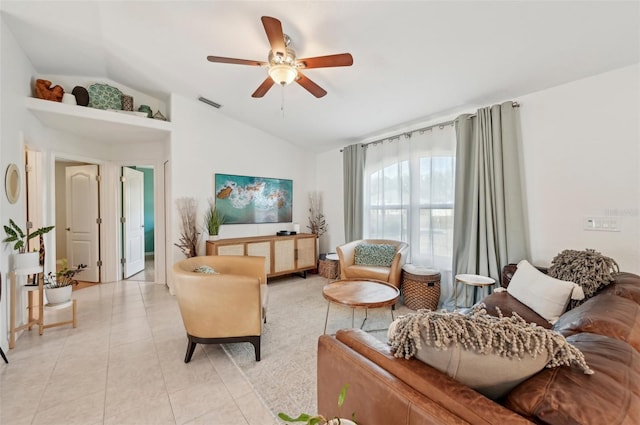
374,254
604,314
505,304
509,349
565,395
625,285
545,295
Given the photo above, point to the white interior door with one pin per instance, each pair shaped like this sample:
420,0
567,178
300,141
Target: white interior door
133,227
82,220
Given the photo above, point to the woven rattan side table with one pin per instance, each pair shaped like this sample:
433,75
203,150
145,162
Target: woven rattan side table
420,287
329,266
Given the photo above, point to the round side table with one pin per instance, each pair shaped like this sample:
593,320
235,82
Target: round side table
473,280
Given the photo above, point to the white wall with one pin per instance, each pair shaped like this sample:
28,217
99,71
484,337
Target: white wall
15,127
329,183
205,142
581,158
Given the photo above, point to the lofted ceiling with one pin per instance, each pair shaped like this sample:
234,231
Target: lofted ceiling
413,60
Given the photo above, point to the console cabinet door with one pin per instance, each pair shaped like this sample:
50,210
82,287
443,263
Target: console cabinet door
284,255
236,249
306,253
261,249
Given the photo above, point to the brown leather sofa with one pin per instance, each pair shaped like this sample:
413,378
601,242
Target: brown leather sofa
350,270
385,390
226,307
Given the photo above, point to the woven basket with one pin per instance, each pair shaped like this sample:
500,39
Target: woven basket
421,291
329,269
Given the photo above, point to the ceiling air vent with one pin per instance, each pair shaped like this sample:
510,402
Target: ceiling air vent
210,102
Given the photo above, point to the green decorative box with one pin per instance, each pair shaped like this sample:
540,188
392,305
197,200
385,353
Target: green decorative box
104,96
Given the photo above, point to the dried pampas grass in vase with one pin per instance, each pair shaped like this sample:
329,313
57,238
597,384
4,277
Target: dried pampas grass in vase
189,235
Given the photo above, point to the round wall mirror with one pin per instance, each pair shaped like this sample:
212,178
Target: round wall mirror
12,183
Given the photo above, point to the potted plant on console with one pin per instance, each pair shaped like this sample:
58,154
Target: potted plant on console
212,221
58,286
23,260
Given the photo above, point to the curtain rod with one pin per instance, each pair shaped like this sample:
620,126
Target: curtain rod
408,134
513,104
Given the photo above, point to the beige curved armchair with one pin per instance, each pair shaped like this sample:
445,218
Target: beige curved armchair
350,270
222,308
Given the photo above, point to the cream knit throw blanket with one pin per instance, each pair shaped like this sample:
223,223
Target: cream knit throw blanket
589,269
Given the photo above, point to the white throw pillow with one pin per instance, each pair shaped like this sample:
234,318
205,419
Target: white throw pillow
543,294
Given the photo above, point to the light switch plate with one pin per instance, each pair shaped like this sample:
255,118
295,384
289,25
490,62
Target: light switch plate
602,224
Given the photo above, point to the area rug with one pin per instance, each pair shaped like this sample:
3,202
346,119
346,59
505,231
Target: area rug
285,378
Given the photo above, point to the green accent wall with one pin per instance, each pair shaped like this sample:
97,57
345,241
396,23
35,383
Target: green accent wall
149,224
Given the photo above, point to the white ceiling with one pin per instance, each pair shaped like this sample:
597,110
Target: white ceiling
413,60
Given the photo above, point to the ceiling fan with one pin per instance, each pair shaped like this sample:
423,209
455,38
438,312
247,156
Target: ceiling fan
284,68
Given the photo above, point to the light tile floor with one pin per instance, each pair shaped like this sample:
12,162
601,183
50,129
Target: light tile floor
147,274
123,364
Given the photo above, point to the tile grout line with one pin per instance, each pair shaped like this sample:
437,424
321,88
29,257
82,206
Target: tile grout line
155,346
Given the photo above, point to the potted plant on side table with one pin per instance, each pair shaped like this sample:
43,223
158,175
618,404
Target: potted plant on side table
58,286
212,221
23,260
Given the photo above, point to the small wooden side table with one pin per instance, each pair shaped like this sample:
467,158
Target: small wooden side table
32,320
473,280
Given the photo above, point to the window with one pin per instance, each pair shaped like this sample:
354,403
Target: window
409,195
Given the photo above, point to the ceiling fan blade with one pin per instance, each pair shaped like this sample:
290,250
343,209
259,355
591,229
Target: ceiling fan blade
264,88
273,28
311,87
221,59
342,59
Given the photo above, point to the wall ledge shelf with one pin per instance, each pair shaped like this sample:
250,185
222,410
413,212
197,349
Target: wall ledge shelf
97,124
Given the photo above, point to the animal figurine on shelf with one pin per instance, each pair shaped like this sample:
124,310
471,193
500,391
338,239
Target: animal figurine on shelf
45,91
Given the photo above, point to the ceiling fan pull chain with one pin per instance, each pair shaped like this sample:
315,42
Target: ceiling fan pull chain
282,101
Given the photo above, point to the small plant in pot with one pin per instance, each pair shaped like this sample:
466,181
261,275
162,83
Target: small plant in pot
321,420
212,221
58,285
19,238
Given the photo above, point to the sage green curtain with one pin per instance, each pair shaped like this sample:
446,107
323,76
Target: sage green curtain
489,227
353,158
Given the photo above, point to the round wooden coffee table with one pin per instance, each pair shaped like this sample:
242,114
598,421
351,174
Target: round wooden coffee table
360,293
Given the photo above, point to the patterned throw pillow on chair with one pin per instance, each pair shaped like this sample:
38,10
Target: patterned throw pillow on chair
374,254
205,270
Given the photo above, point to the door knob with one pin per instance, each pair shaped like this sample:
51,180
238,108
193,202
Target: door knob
68,229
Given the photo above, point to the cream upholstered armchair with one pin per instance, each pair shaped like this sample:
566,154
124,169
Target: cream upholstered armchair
226,307
392,274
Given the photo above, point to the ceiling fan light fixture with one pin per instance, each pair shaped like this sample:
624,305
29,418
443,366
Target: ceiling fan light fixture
283,74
